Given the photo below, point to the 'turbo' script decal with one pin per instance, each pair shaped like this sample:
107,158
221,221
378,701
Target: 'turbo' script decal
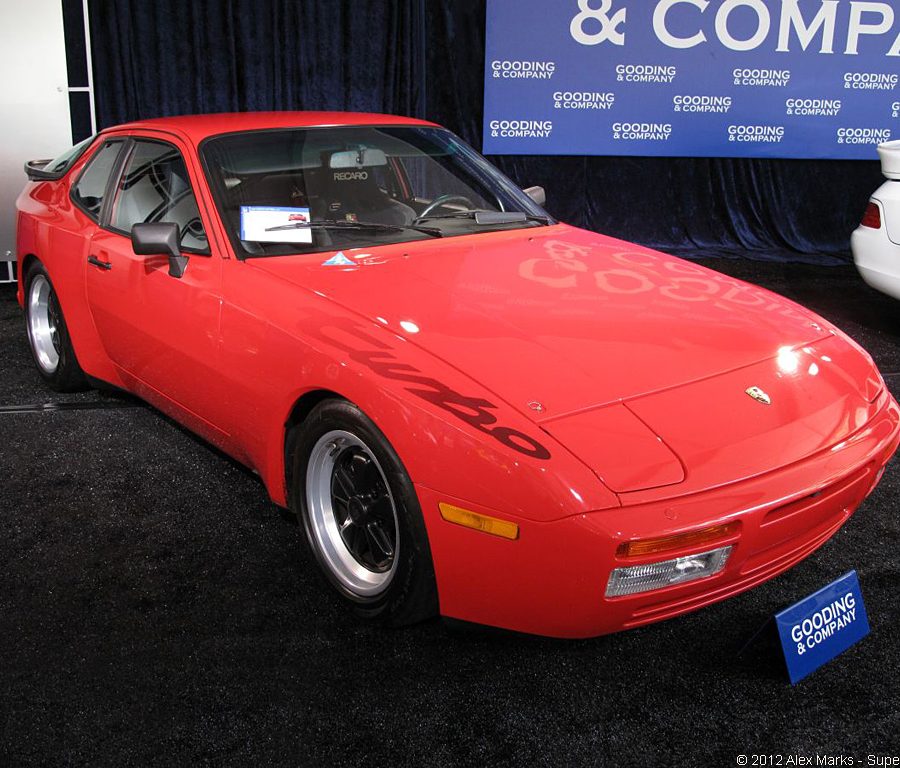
474,411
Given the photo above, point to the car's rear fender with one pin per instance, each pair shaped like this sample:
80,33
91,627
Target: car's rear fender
888,198
52,231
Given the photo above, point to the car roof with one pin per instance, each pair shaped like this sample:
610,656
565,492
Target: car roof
199,127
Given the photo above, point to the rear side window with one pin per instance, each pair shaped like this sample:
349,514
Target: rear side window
59,165
90,189
51,170
155,187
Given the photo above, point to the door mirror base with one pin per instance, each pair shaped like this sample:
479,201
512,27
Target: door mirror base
177,265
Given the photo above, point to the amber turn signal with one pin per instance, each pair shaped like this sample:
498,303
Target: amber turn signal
502,528
644,547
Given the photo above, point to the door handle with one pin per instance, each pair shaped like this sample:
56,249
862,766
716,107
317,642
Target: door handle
97,263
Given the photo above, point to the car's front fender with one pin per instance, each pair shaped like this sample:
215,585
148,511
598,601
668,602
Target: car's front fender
451,435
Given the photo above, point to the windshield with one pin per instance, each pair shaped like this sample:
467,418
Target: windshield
323,189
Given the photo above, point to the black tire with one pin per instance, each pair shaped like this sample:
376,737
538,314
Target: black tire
410,594
63,374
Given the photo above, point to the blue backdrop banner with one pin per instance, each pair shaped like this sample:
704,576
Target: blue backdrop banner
694,78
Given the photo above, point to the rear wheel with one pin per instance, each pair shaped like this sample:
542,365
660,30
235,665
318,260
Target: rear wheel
361,516
48,335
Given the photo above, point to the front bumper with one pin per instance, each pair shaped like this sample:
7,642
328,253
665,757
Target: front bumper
552,580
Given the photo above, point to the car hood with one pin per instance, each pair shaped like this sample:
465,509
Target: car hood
558,316
604,344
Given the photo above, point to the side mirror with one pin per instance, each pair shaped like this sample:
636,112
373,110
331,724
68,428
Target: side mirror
537,194
160,240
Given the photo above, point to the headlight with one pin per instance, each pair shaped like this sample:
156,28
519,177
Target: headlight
644,578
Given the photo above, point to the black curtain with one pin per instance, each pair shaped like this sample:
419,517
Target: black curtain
425,58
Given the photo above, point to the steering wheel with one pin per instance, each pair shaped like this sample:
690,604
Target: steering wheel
441,201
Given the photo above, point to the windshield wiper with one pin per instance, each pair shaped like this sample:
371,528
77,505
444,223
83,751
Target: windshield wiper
490,217
338,224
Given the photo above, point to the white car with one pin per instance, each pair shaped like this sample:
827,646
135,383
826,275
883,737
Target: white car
876,242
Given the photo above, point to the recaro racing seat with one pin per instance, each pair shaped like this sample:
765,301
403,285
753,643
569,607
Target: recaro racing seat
353,194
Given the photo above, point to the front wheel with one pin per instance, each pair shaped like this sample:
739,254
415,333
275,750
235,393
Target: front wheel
48,335
361,516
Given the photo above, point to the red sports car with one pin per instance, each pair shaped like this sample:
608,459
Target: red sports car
474,410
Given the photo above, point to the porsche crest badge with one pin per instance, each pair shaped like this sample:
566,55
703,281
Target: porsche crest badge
757,394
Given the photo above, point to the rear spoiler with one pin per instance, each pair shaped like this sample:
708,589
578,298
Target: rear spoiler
34,170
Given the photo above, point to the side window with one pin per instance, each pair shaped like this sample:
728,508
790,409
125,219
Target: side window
155,188
89,191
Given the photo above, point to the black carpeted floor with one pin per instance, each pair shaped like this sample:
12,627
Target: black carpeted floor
155,608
